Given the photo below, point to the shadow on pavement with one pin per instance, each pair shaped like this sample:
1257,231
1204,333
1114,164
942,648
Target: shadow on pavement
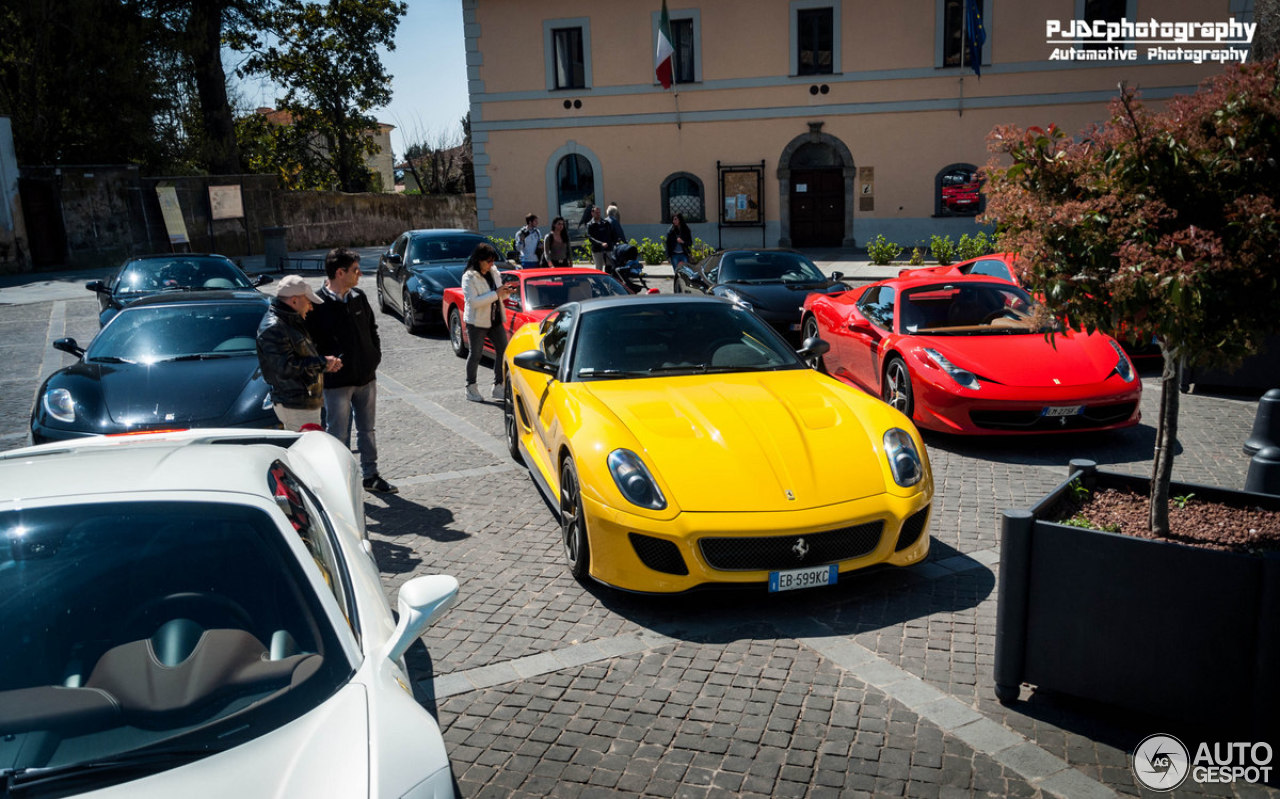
412,520
859,602
1130,445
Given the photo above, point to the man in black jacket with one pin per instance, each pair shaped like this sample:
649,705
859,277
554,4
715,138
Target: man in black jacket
291,365
344,326
601,234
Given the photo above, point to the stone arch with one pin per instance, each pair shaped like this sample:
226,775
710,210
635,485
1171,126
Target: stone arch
841,156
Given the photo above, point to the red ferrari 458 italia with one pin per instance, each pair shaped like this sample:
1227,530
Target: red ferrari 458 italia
973,355
541,291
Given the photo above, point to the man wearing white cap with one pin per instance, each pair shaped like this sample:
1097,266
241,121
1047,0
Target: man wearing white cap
291,365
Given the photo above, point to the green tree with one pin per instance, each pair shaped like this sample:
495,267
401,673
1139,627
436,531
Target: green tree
326,57
75,95
1160,223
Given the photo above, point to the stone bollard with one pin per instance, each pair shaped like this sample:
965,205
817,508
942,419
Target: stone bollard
1266,424
1264,471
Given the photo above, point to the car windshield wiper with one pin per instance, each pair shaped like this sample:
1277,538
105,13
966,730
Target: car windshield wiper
197,356
756,281
109,359
147,761
611,373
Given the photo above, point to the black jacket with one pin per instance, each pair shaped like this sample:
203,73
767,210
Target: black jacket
289,360
681,232
347,330
601,233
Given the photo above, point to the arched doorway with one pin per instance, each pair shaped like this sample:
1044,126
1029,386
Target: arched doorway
815,182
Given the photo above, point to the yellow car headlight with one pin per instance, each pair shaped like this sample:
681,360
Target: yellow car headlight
634,481
904,460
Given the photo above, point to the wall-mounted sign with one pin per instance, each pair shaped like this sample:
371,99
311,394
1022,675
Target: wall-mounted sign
225,202
171,212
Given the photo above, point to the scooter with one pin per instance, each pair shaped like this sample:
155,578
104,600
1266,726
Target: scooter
623,262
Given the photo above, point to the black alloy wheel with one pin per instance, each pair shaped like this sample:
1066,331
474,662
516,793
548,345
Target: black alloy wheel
407,313
457,333
511,424
573,524
896,388
810,330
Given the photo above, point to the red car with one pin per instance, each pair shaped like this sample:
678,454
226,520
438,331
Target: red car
541,291
969,354
961,194
1000,265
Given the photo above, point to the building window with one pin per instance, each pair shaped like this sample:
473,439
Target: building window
952,46
815,37
1103,10
566,47
682,43
814,40
575,188
958,191
682,194
570,71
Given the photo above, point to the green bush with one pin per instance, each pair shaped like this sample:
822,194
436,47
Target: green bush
943,249
503,246
651,252
917,257
881,251
973,246
582,254
700,250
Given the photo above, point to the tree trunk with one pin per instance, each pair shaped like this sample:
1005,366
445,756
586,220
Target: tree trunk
1166,440
204,34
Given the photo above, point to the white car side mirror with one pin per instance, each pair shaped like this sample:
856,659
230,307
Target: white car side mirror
421,601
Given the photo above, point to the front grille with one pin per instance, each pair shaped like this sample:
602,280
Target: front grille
1033,421
912,528
658,554
767,553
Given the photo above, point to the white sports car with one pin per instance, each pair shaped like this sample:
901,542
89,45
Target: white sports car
198,614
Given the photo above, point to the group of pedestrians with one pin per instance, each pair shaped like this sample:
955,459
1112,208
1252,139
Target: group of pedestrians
320,351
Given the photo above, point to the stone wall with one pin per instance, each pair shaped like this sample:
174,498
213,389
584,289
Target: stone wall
319,219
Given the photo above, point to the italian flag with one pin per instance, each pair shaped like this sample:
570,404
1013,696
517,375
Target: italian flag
662,61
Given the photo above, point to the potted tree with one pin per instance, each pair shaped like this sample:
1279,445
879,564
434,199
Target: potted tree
1154,224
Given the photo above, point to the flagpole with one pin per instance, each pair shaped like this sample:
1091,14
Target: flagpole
676,95
964,31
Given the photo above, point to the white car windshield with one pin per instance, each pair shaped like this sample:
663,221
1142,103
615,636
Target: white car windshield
151,633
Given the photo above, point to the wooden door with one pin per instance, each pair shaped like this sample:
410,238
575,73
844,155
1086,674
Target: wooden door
817,207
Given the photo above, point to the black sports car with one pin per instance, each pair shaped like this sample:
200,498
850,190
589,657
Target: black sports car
169,361
146,275
419,266
771,282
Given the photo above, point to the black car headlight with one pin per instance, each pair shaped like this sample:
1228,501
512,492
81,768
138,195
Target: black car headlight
267,404
59,404
904,460
1123,367
634,481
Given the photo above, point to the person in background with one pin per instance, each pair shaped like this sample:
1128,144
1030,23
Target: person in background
290,362
586,215
679,241
601,235
344,325
615,220
529,242
482,296
556,250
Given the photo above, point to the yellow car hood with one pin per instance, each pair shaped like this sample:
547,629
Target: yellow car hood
751,441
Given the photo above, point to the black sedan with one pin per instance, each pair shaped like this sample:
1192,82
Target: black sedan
146,275
419,266
170,361
771,282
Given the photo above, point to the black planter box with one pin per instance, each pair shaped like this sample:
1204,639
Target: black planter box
1153,626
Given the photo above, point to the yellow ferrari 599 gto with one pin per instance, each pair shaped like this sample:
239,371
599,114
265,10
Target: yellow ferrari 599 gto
686,444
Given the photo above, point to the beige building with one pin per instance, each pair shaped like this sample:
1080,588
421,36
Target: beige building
802,123
381,163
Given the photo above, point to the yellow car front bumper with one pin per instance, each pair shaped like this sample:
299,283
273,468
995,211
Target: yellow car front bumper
692,550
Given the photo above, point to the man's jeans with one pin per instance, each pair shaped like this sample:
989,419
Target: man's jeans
339,405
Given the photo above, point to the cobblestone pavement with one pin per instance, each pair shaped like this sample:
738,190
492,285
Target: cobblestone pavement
881,685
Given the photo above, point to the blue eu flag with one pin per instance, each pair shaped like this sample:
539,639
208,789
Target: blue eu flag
975,35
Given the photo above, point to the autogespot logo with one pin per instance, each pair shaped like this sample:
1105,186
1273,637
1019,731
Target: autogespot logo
1161,762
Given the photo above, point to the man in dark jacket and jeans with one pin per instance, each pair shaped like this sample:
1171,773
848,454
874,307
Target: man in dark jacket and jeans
291,365
344,326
